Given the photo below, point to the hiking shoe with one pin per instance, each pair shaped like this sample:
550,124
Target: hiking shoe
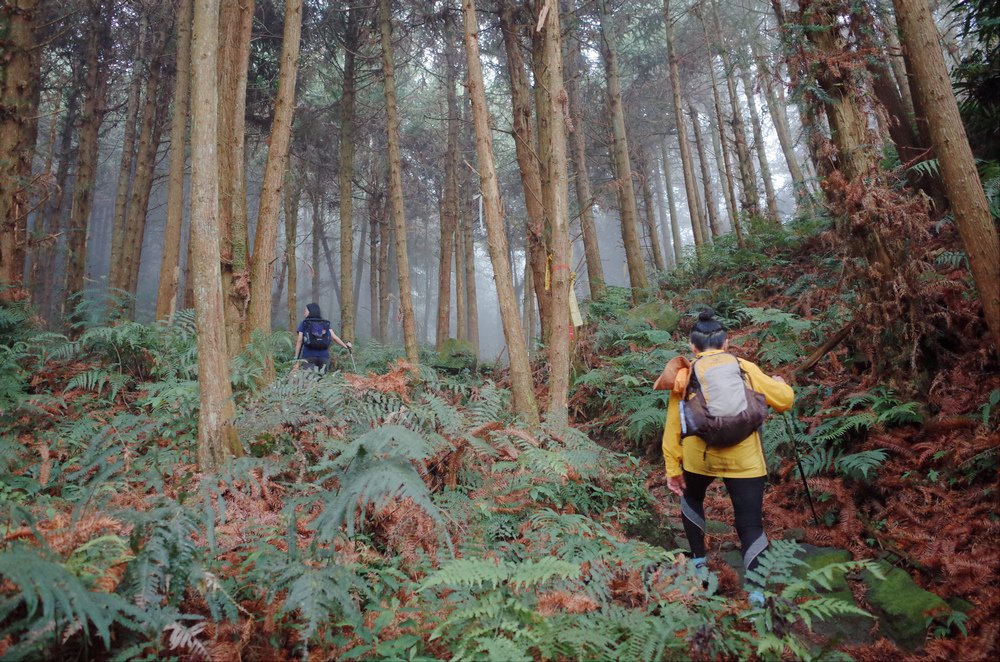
701,570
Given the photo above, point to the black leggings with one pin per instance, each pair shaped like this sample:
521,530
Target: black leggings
747,495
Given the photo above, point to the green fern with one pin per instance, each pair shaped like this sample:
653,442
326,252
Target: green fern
54,602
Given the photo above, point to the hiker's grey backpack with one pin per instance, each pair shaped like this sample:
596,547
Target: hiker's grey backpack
719,406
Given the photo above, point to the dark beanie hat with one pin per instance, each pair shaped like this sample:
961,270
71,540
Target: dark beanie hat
313,309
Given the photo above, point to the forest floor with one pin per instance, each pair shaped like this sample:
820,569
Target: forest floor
402,516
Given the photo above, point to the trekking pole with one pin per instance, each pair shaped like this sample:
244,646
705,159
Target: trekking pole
798,461
350,352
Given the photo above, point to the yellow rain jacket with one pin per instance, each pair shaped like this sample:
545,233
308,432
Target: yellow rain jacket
743,460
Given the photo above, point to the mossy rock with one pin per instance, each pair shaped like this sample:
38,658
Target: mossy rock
660,315
816,558
848,629
903,608
456,355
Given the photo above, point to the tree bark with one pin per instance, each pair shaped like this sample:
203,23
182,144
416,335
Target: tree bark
126,271
779,118
522,386
217,438
556,200
961,179
720,122
293,190
720,171
758,139
623,165
511,23
83,191
687,163
347,132
43,266
166,298
706,174
642,162
751,199
584,196
317,231
665,219
266,234
471,300
373,270
396,186
848,121
461,292
383,273
235,31
119,229
668,181
449,197
19,89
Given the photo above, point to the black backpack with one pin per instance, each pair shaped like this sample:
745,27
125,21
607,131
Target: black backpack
731,413
316,333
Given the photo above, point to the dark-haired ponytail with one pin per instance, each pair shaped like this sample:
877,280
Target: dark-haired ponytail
708,332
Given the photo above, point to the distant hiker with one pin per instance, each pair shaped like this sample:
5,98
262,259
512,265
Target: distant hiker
312,344
717,404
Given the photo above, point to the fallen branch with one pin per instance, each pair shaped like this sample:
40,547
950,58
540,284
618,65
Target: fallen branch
825,348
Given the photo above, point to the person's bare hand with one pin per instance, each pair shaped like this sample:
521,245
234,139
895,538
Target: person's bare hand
676,484
779,378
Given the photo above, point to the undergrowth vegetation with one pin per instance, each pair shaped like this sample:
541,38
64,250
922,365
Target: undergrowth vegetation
393,515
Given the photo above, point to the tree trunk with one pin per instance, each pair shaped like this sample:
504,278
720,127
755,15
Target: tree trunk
668,180
958,168
461,292
373,268
848,121
556,200
83,191
119,229
396,186
266,234
43,267
720,170
471,303
896,61
332,268
529,305
750,199
125,274
383,274
522,386
217,439
235,31
166,298
19,89
347,112
623,165
690,182
900,128
706,174
642,162
720,128
293,189
449,198
665,219
317,230
779,118
758,139
511,20
584,196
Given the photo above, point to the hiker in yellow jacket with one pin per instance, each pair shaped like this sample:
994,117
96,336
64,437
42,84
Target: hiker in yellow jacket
692,465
